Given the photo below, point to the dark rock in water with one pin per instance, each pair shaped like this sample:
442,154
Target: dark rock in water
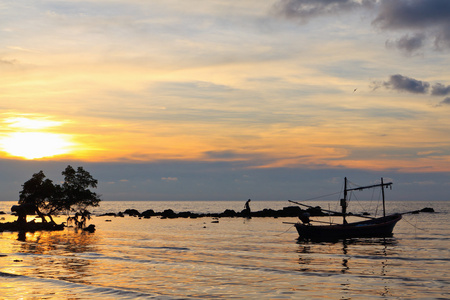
90,228
228,213
108,215
316,211
183,214
291,211
168,213
427,209
148,213
2,213
30,226
132,212
268,212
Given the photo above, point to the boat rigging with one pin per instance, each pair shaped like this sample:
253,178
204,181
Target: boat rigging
374,227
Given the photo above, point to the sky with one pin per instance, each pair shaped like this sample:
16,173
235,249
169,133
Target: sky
227,100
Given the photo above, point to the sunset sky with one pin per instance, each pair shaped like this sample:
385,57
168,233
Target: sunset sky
227,100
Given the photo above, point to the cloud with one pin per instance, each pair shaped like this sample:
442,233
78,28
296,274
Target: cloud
440,90
423,20
406,84
408,44
427,18
304,10
446,101
402,83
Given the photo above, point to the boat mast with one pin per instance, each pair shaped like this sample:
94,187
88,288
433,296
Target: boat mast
344,202
382,185
382,193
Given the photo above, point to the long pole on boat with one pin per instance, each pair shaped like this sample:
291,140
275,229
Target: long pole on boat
382,193
344,202
329,211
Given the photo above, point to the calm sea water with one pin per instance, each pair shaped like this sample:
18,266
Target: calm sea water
260,258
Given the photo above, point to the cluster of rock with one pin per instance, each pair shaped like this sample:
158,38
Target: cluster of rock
30,226
290,211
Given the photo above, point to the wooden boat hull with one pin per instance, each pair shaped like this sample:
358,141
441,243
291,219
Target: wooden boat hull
379,227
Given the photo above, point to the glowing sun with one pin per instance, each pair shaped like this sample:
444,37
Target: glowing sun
29,140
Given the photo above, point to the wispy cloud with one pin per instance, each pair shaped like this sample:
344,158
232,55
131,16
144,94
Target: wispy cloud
304,10
446,101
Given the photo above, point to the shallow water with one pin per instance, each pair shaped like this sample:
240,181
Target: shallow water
129,258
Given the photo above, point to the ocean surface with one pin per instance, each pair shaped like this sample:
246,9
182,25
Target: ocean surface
229,258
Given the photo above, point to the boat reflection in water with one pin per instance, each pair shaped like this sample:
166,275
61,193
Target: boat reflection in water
354,263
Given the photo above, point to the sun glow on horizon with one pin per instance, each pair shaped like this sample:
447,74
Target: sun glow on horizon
29,139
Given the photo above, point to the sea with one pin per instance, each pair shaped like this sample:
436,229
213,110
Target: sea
227,258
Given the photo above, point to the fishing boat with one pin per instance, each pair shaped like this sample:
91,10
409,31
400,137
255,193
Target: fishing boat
373,227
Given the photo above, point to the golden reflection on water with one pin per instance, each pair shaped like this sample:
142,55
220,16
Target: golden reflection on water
62,246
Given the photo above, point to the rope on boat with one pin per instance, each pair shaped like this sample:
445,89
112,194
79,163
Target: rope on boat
286,230
323,196
415,227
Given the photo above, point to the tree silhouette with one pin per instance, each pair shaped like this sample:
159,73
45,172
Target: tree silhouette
73,196
37,196
76,196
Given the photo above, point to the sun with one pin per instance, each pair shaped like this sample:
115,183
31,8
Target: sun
30,140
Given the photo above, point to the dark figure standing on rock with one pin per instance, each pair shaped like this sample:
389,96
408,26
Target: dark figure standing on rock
247,211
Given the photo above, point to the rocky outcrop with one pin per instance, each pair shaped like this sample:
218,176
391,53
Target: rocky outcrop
290,211
30,226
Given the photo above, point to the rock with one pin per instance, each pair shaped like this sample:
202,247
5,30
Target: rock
90,228
427,209
168,213
30,226
132,212
108,215
316,211
228,213
148,213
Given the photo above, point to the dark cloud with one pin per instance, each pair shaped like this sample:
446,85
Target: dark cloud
412,14
406,84
304,10
424,17
446,101
402,83
440,90
408,44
